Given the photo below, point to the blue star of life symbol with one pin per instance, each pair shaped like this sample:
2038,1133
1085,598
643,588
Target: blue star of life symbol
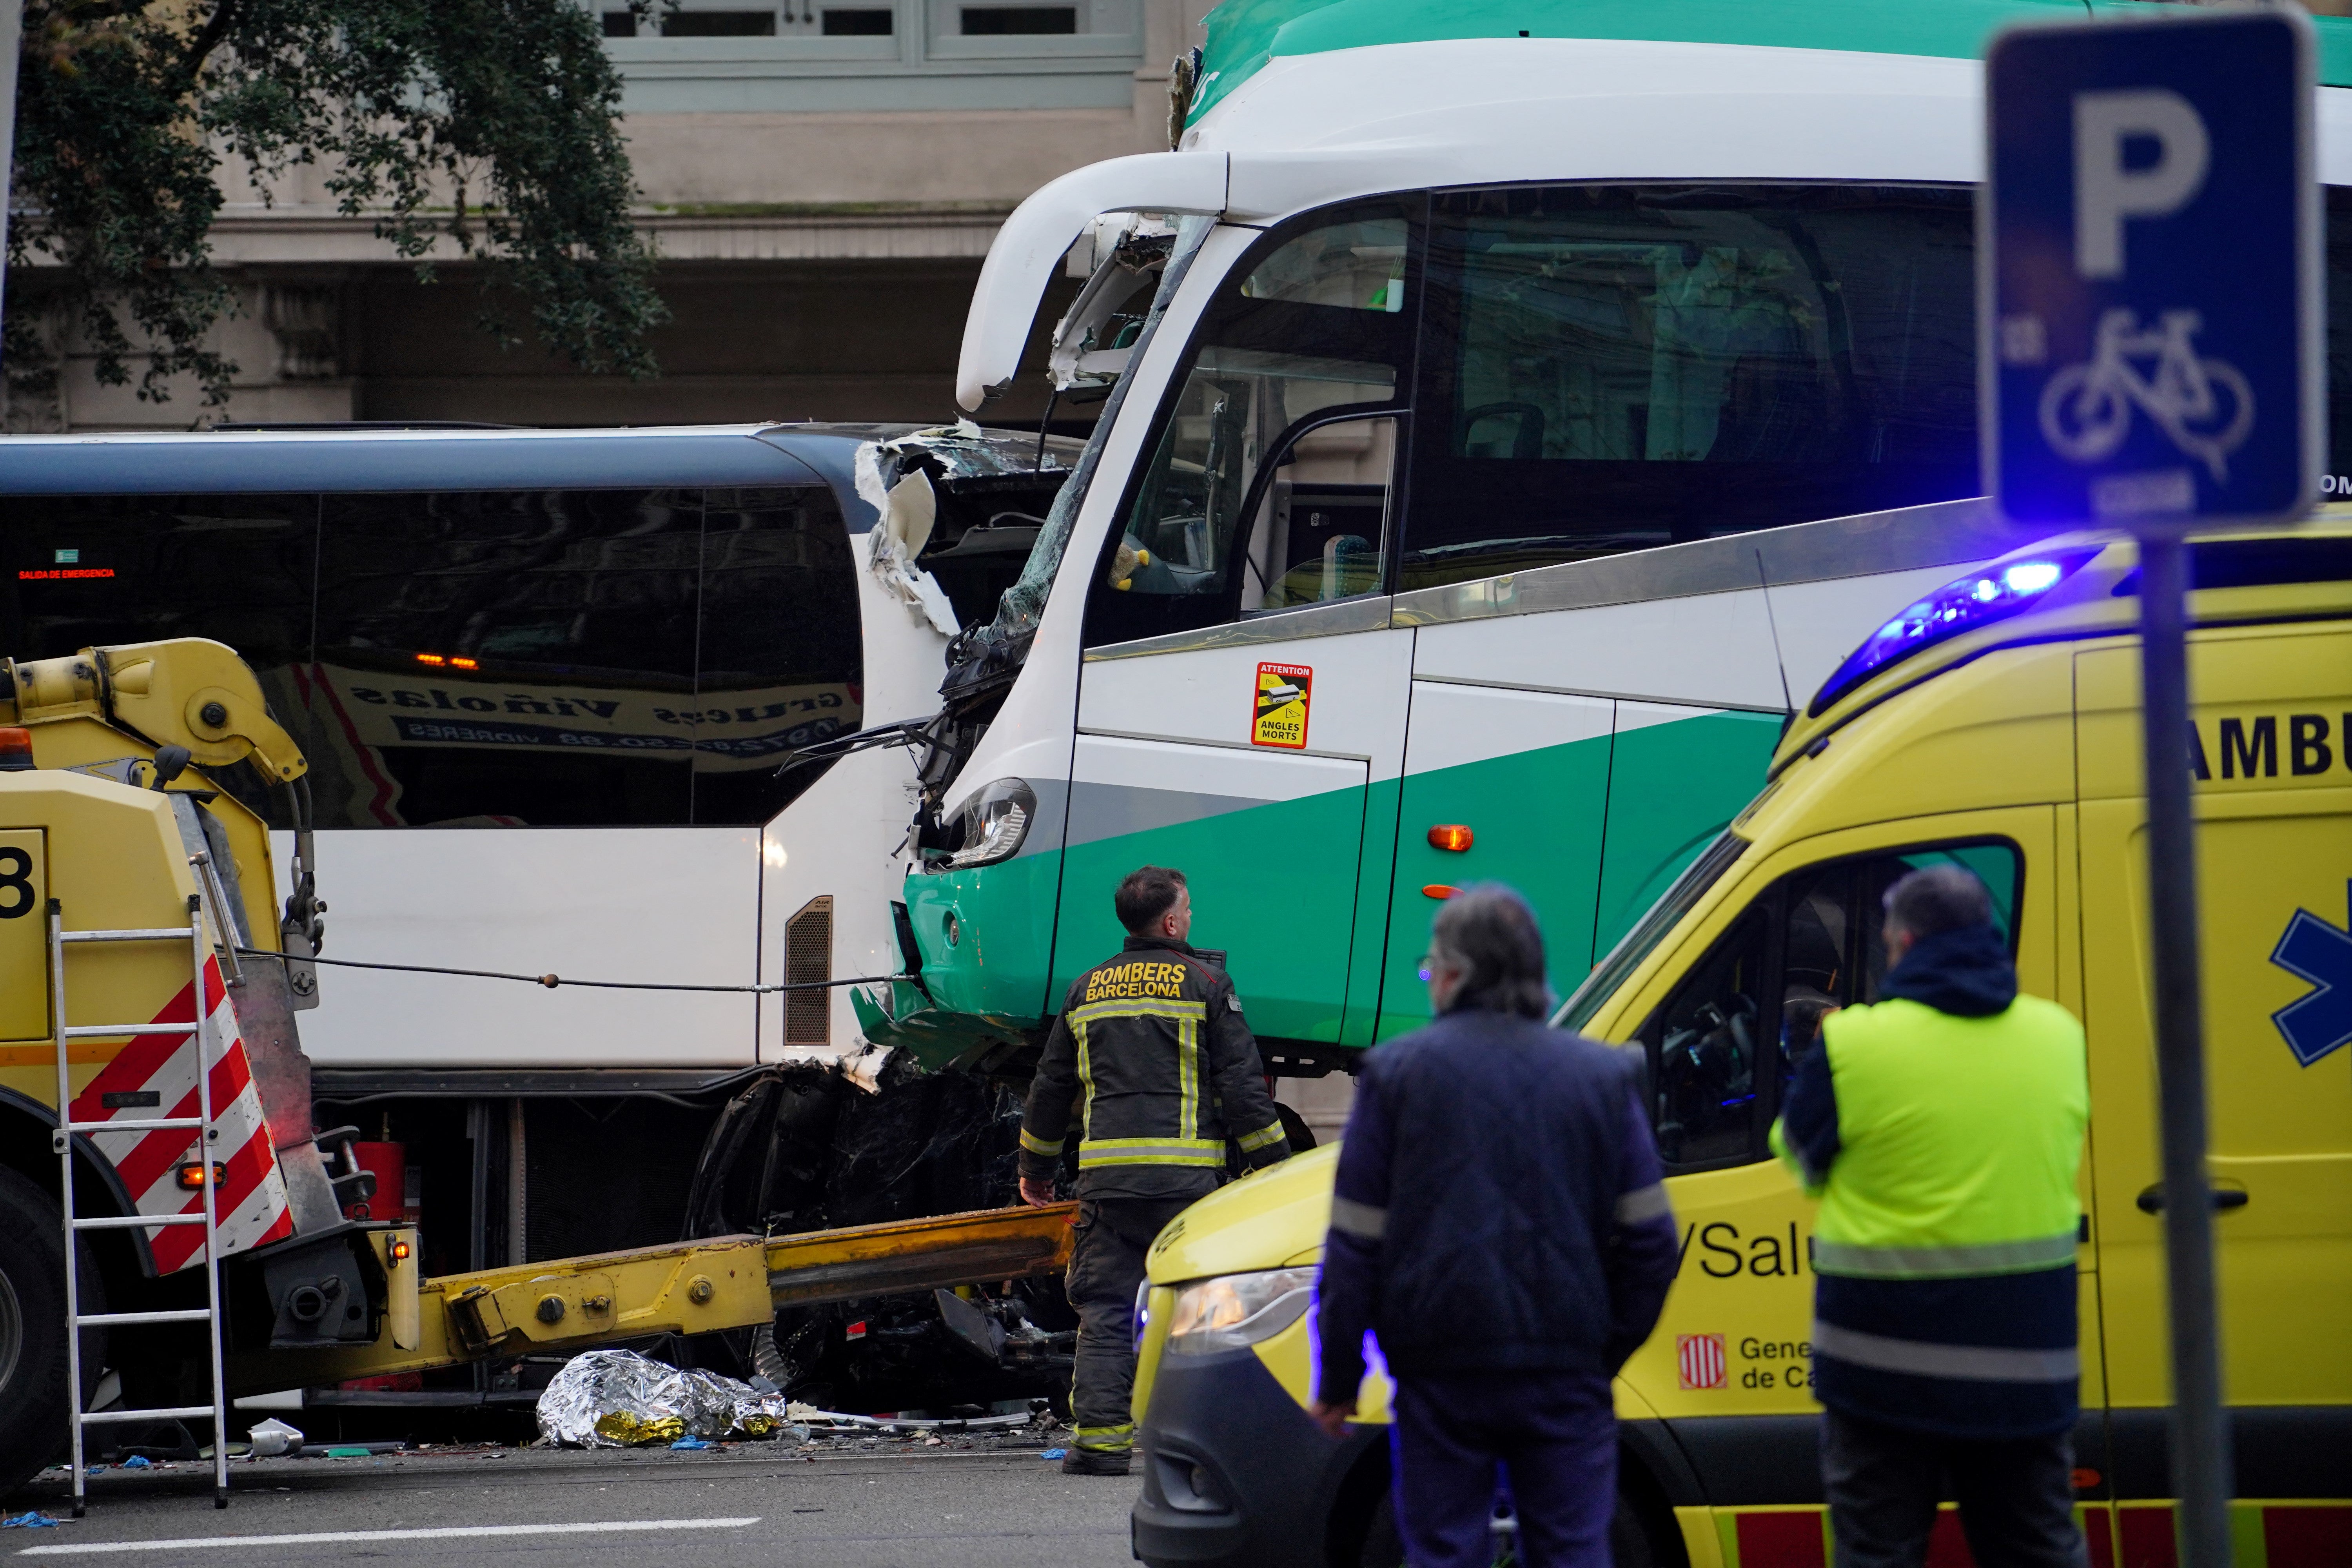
2312,949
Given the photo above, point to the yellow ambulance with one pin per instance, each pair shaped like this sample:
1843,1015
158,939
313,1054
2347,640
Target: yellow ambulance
1994,723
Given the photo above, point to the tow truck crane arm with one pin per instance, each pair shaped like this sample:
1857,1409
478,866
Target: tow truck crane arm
187,692
691,1288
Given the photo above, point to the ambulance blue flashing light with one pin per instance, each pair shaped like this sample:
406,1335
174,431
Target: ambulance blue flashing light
1960,605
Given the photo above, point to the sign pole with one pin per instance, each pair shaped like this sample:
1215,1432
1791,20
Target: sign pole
2151,360
2200,1439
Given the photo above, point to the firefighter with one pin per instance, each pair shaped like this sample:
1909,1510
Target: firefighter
1154,1040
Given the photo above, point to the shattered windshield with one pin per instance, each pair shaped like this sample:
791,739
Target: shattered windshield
1017,612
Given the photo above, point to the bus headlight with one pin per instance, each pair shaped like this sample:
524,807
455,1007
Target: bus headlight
995,821
1237,1309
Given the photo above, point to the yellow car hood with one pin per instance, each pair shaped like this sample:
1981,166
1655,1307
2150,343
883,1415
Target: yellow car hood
1266,1220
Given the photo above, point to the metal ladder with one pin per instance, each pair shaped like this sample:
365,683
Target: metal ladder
208,900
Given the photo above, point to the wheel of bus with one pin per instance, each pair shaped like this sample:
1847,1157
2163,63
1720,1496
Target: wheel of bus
1630,1545
33,1329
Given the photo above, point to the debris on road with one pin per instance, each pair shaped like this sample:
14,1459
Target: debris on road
272,1437
33,1520
834,1420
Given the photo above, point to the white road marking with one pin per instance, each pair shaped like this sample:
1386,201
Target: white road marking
325,1537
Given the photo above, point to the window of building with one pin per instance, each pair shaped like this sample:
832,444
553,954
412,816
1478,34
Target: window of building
1016,30
1615,366
1312,331
718,25
1721,1050
1000,21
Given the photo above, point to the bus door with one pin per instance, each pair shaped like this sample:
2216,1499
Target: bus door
1246,758
1499,785
1240,703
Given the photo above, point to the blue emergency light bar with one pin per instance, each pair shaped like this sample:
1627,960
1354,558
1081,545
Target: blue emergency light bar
1960,605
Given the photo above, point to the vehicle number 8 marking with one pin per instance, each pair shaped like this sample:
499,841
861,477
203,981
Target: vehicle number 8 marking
15,883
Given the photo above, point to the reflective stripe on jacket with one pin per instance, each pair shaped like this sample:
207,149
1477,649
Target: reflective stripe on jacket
1944,1148
1151,1054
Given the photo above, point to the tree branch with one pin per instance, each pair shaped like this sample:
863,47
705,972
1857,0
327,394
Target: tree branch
207,39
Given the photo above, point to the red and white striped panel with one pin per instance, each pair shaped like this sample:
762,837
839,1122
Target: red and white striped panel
252,1197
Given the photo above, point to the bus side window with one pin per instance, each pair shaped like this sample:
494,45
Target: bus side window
625,657
779,661
1315,323
90,571
506,658
1608,367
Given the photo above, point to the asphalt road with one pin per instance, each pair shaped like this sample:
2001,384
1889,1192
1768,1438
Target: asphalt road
874,1506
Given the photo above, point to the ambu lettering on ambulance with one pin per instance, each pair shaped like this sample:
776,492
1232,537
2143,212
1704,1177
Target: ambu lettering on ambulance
1140,979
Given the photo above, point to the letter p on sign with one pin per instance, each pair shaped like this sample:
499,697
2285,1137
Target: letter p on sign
2109,128
2150,315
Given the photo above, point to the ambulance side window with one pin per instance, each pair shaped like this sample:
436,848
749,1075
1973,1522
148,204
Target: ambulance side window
1723,1048
1702,1048
1996,864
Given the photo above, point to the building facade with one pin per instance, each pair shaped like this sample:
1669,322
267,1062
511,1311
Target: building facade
823,180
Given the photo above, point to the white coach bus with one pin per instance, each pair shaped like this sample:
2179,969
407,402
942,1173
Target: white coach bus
546,681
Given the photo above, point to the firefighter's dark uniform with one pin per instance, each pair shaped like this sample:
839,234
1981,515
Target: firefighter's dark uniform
1152,1054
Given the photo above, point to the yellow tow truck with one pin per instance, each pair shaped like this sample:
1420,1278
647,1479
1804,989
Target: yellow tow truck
155,1106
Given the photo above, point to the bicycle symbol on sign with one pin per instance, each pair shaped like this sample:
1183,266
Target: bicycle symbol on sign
2203,405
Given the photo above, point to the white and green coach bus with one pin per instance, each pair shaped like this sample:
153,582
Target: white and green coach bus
1508,407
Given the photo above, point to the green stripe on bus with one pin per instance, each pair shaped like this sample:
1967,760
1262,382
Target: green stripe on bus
1243,36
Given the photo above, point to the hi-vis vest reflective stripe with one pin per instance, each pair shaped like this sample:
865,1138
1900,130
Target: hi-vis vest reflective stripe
1959,1142
1187,1147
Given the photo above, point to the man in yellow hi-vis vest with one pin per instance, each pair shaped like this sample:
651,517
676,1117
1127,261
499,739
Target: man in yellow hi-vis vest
1151,1053
1942,1129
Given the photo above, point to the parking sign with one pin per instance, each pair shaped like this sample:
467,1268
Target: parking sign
2149,306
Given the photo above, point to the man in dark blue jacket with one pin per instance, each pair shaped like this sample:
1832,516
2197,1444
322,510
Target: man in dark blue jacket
1500,1226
